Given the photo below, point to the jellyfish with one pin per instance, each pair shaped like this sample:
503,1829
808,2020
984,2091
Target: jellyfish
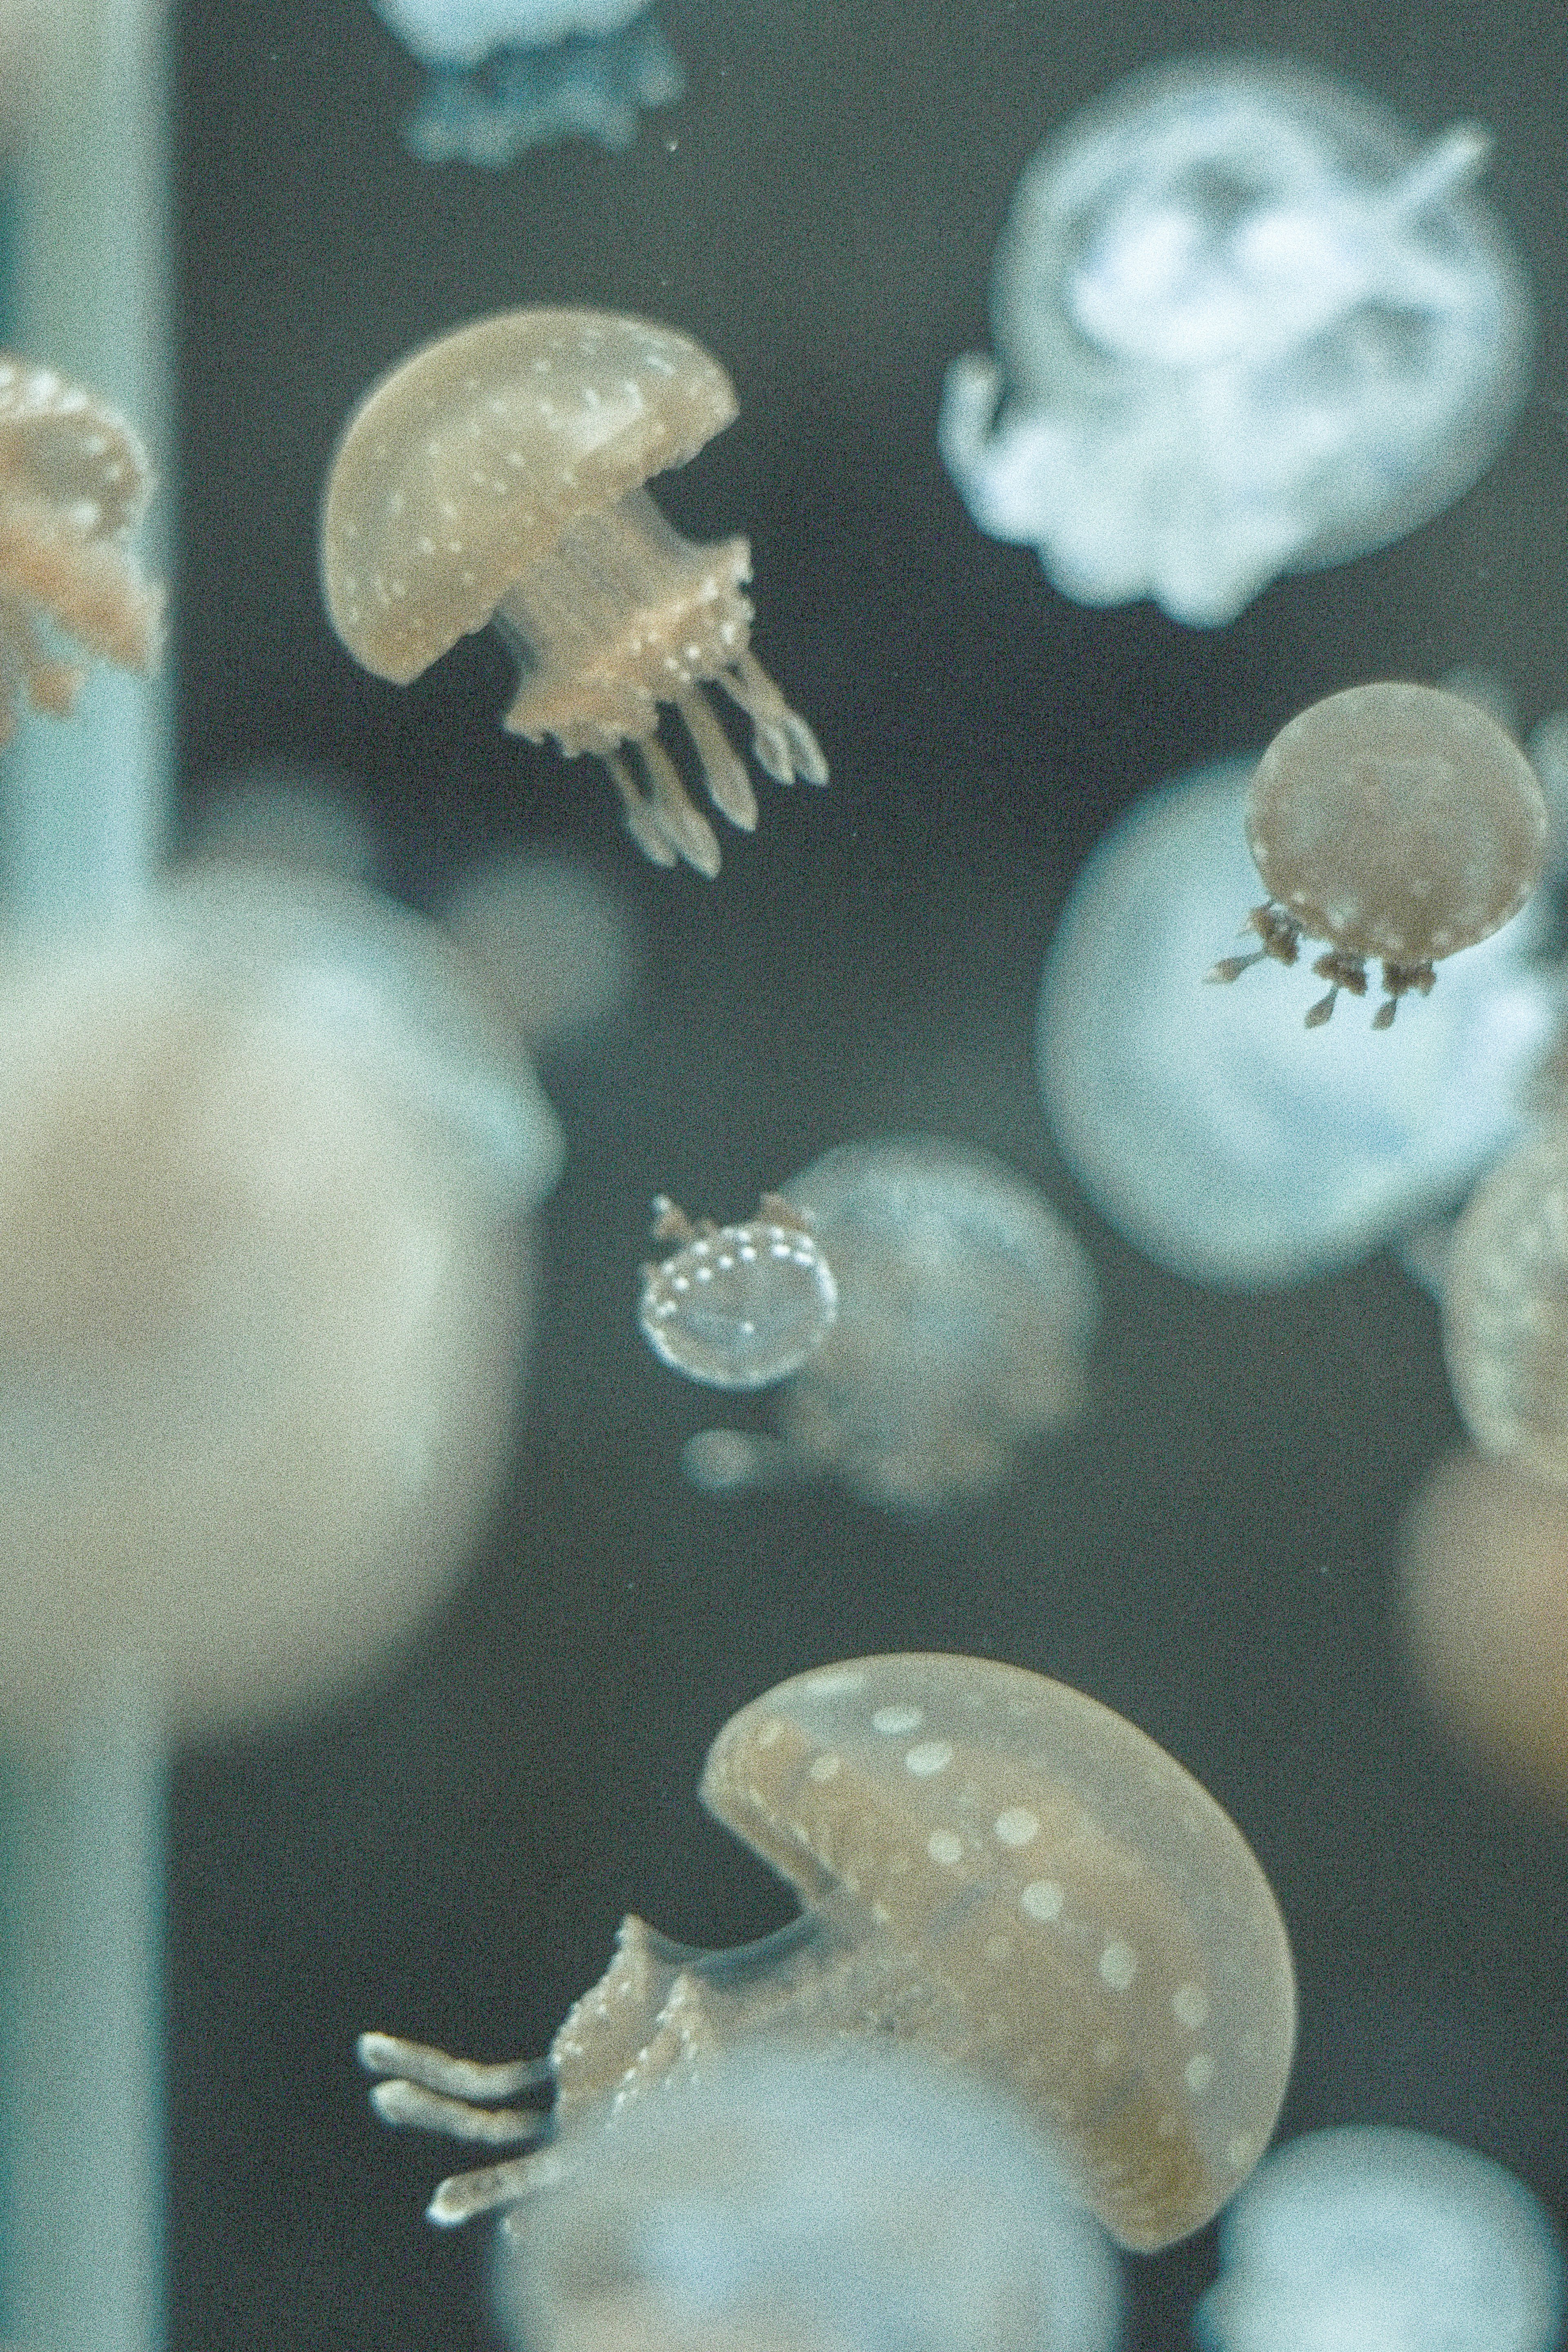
1505,1307
1393,821
804,2200
497,474
551,941
1201,1123
74,479
298,816
738,1307
1386,2240
1246,325
966,1310
992,1868
508,75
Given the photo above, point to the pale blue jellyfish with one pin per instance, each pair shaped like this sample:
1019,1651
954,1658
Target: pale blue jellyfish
506,75
1211,1129
1246,324
851,2201
965,1312
1384,2241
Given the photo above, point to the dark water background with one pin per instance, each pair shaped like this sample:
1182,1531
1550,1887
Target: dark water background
1213,1552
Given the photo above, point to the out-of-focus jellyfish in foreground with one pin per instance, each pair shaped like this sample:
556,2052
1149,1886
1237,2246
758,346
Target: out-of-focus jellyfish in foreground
1393,821
507,75
802,2201
737,1307
1246,324
1200,1121
1505,1307
74,481
497,475
992,1868
1384,2241
966,1310
1486,1614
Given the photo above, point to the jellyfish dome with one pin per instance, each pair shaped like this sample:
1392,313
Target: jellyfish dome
1246,324
798,2201
1203,1123
1387,2240
507,75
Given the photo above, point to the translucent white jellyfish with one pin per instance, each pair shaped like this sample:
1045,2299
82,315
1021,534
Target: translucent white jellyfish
966,1309
1505,1307
993,1871
507,75
737,1307
1393,821
1201,1122
794,2201
1386,2241
1246,324
552,941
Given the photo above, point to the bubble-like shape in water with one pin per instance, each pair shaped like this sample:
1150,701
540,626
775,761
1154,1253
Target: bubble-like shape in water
1387,2240
1505,1307
1245,325
993,1869
1393,821
1200,1121
738,1307
812,2201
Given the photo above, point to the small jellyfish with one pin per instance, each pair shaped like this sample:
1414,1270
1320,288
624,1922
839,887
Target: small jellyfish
993,1869
801,2200
737,1307
1386,2240
1486,1614
74,479
1393,821
1505,1307
508,75
966,1309
1246,325
497,475
1193,1118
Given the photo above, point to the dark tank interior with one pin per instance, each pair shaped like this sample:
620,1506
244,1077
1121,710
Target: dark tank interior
1212,1550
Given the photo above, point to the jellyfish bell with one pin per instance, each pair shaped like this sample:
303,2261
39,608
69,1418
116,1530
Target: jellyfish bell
795,2200
1199,1121
552,941
1505,1307
1245,325
1393,821
266,1172
992,1868
1385,2239
737,1307
496,474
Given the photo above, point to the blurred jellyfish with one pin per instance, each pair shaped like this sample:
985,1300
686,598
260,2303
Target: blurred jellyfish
296,815
1246,325
1202,1124
1486,1613
966,1309
994,1870
506,75
1386,2241
552,943
1393,821
1505,1307
796,2201
737,1307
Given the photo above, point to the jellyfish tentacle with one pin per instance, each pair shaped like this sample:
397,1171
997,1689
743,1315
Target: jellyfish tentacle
724,770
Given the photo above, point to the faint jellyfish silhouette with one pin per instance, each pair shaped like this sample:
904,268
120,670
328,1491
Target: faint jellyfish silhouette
1245,326
496,474
966,1310
802,2200
1486,1614
1388,2240
992,1868
294,816
737,1307
552,941
1393,821
74,479
508,75
1505,1307
1198,1121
